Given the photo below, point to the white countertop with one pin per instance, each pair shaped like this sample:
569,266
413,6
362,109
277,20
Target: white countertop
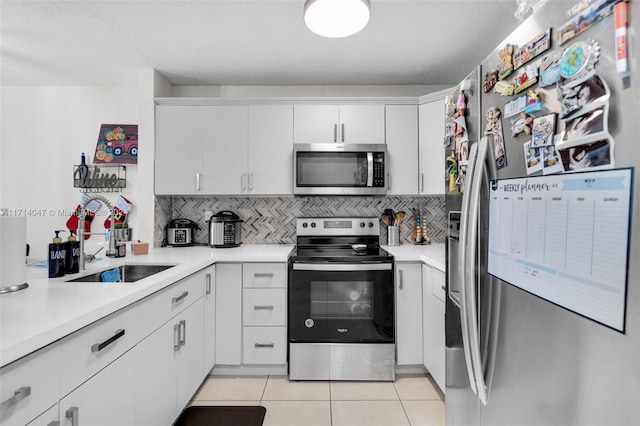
52,308
431,254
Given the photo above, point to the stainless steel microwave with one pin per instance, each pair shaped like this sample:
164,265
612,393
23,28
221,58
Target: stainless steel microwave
339,169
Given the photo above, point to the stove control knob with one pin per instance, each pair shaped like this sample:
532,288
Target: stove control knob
313,224
362,225
370,224
304,224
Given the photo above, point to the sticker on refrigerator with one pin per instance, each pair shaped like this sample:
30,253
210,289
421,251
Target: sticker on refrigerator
494,127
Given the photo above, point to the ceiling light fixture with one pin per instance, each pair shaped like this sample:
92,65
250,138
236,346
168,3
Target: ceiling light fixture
336,18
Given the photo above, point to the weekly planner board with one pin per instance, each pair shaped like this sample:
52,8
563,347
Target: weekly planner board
565,238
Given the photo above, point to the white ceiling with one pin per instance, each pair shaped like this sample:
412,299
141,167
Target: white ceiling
237,42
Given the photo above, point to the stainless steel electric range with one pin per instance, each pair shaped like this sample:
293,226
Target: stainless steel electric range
341,302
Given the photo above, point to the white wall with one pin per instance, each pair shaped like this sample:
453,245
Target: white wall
43,132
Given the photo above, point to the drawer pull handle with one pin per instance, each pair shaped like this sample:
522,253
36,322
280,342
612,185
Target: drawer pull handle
179,298
264,345
182,331
72,413
54,423
18,395
263,307
263,274
97,347
208,283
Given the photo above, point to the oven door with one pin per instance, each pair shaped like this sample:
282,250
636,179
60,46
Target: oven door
341,303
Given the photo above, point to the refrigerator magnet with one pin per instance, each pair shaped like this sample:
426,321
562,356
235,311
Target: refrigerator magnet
533,158
534,47
505,61
550,69
543,130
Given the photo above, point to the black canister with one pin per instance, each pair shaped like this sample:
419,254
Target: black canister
56,256
72,255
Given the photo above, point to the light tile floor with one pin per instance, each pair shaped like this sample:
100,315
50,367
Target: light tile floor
410,400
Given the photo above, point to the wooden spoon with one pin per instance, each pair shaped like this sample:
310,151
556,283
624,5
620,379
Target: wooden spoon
385,219
399,217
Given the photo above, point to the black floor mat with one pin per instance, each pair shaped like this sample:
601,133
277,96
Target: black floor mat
222,416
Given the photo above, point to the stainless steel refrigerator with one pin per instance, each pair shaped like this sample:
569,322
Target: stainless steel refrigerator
537,362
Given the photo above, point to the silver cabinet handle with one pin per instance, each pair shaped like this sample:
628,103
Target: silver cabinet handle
198,181
97,347
176,337
250,180
443,288
54,423
388,181
264,345
421,182
401,284
263,274
263,307
335,132
182,332
208,277
243,185
18,395
73,414
179,298
342,132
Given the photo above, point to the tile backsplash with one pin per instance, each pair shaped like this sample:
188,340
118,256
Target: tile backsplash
271,220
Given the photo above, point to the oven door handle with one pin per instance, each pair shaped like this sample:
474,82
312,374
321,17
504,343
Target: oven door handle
342,267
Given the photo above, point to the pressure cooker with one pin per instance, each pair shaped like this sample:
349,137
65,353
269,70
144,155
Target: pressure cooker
225,230
181,232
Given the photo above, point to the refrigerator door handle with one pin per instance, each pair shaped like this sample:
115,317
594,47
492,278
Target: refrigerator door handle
464,225
471,270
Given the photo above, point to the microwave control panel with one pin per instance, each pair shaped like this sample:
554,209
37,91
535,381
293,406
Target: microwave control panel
378,169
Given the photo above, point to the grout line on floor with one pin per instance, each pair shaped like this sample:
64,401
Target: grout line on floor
401,403
266,382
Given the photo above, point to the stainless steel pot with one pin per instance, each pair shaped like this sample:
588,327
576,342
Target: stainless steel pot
181,232
225,230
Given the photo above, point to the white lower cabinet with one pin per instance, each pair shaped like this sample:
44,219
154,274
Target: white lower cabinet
209,319
409,314
189,357
228,314
433,320
48,418
106,399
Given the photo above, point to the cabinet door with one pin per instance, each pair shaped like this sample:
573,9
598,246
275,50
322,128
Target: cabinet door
189,358
228,314
409,313
362,123
432,154
402,149
433,323
316,123
270,149
209,319
178,159
156,380
107,399
225,146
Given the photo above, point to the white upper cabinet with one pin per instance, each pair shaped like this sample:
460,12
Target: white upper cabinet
270,164
431,147
178,160
357,123
225,149
402,149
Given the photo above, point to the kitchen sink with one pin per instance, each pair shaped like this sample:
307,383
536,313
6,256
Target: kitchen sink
128,273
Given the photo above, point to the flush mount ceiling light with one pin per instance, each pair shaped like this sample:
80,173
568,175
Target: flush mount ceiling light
336,18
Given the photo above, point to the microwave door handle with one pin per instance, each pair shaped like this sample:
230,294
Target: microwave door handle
369,169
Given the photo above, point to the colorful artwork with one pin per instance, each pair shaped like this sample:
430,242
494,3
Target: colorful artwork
490,80
579,58
587,18
505,58
494,127
117,144
526,78
531,49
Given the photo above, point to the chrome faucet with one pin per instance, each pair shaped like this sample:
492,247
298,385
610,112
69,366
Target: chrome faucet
111,251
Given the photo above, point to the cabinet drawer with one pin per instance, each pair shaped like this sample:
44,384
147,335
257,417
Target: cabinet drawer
264,306
264,275
92,348
29,386
264,345
437,284
160,307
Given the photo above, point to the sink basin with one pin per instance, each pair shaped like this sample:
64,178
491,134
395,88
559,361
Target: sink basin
128,273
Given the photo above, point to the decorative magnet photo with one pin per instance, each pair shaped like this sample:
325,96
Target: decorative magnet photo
550,69
585,19
585,124
551,160
490,80
534,103
531,49
543,130
505,62
579,58
526,78
594,156
533,158
585,92
515,106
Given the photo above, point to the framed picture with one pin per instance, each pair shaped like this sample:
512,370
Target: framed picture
117,144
